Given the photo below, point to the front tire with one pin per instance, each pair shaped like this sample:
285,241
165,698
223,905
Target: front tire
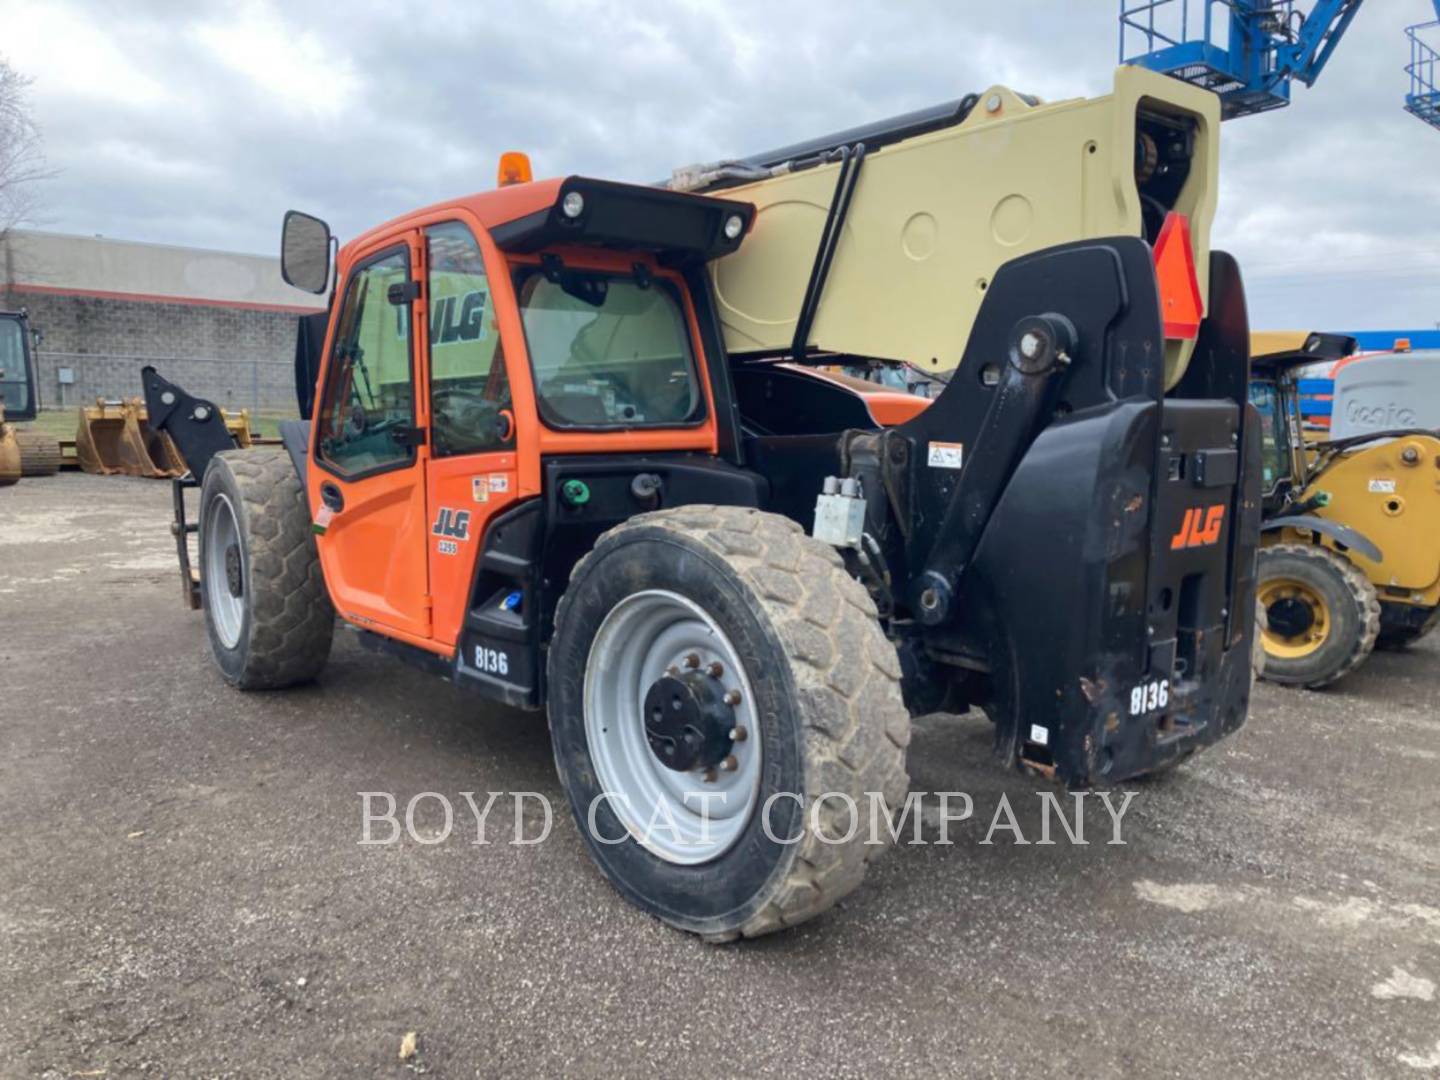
1321,614
753,624
267,611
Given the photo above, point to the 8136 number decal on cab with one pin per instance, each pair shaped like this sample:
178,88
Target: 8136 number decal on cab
492,661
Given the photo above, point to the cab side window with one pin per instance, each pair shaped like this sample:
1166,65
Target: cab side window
1274,435
468,385
367,414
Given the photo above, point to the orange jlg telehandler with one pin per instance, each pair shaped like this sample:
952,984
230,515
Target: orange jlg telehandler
563,445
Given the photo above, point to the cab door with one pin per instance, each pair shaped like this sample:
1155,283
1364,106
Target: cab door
367,484
471,472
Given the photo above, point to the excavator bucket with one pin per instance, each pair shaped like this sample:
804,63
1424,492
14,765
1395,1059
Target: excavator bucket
238,424
10,471
115,438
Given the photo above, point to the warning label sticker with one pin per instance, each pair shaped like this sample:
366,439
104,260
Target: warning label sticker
1382,487
947,455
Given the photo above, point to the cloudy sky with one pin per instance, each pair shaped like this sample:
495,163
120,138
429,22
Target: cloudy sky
190,122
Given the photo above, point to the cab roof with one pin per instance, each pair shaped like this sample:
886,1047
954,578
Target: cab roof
677,227
1279,350
492,208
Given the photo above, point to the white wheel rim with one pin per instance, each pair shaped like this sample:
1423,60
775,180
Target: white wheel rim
642,637
227,611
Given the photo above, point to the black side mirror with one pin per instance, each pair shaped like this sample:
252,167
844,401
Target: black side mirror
305,252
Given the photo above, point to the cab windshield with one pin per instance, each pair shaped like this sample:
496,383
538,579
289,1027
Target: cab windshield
14,379
609,350
1274,433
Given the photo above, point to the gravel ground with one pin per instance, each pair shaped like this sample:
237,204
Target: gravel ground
182,891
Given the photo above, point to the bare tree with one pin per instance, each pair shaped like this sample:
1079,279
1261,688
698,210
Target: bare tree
22,163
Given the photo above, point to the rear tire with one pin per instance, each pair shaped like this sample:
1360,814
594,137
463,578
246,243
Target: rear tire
267,611
817,679
39,453
1322,615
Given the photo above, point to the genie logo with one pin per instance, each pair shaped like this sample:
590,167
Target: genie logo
1382,416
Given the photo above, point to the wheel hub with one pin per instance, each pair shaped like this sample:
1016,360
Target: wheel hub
647,638
1290,617
688,722
234,579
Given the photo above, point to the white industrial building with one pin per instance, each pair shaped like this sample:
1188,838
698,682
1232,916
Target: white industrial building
220,323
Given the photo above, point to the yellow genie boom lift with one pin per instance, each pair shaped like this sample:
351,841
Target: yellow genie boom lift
568,449
1350,553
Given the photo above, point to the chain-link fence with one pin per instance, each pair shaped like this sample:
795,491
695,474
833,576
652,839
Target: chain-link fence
68,380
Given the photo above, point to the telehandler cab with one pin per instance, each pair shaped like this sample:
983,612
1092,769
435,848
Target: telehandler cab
564,445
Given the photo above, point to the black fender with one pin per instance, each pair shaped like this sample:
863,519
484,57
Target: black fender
295,435
1341,534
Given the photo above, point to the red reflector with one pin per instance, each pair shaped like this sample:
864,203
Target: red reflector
1180,303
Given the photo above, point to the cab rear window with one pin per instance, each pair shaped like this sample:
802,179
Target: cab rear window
609,351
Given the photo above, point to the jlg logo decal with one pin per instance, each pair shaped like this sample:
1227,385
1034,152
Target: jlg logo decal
454,523
1201,527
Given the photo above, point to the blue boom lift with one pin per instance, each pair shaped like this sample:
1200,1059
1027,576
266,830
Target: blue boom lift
1423,100
1250,51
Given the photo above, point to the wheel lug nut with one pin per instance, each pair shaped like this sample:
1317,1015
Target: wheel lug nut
710,776
729,764
692,661
739,734
732,697
717,669
672,671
